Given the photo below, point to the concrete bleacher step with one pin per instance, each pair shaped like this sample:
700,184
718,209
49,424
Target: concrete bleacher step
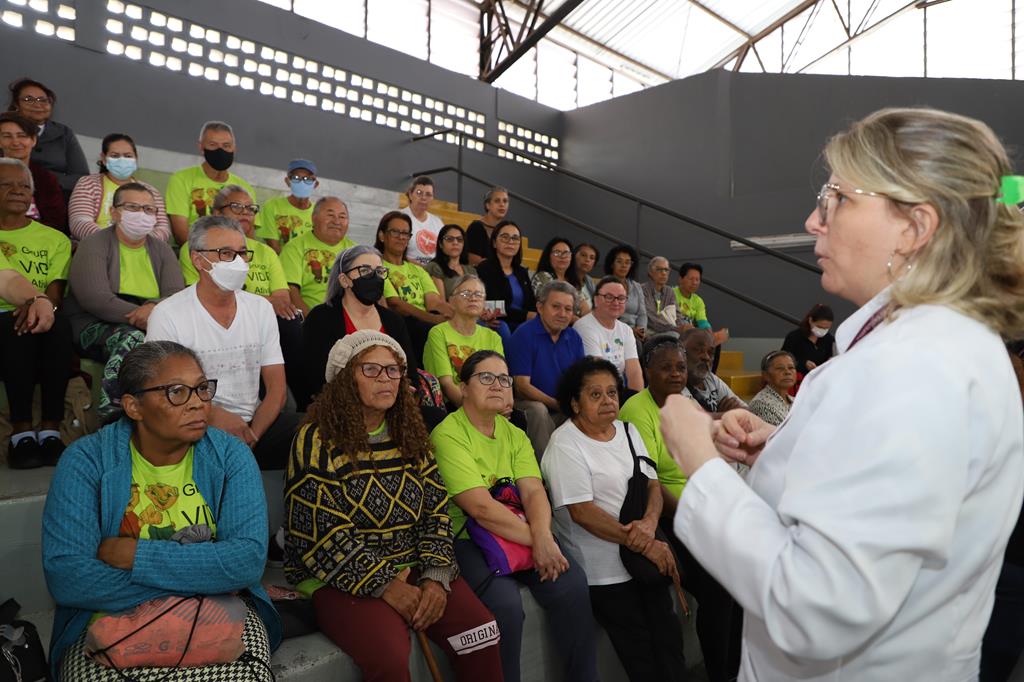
743,383
311,658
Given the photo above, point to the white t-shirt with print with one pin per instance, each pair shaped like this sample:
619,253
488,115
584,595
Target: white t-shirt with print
423,244
233,356
615,345
578,469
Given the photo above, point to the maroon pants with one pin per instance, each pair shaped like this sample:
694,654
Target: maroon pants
378,638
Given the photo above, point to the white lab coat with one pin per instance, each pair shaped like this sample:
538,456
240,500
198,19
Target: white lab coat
866,541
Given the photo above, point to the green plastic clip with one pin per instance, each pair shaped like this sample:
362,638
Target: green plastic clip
1011,190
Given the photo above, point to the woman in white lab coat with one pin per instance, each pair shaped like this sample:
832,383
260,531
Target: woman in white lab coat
866,541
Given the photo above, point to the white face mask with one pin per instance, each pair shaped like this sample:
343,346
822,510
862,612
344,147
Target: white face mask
229,276
136,224
819,331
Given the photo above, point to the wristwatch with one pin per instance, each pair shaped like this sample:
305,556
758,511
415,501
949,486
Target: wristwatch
48,300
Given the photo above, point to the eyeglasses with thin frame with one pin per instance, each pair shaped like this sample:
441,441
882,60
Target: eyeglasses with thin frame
560,253
29,99
180,394
421,193
488,378
470,295
509,238
368,270
305,179
399,234
828,200
238,208
226,255
132,207
612,298
372,370
662,271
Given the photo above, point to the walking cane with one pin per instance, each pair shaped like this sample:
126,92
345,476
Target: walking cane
435,671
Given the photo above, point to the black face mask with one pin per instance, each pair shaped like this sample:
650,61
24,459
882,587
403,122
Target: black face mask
219,159
369,289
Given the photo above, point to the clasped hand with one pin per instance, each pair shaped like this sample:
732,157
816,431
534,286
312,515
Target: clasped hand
693,438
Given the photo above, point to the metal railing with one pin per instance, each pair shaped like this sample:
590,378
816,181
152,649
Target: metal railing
640,203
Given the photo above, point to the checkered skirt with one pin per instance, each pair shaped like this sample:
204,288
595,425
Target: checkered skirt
77,667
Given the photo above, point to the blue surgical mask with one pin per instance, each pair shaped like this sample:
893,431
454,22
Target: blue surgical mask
122,167
301,190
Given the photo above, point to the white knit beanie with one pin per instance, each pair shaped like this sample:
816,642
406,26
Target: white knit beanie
355,343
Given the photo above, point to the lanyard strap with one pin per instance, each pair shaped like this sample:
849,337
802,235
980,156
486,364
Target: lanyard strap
870,325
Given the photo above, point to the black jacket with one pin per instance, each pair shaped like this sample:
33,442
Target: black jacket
498,289
323,327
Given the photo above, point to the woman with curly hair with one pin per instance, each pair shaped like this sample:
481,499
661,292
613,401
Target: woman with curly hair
368,534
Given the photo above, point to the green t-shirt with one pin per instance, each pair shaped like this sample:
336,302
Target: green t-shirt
307,264
4,263
642,412
447,349
265,272
409,282
279,220
692,307
164,500
39,252
190,192
106,201
137,276
468,459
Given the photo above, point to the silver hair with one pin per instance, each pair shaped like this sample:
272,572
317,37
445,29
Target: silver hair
4,161
558,287
655,261
216,125
221,199
143,362
468,278
343,263
197,235
322,200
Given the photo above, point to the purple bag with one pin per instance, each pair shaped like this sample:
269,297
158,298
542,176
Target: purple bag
502,556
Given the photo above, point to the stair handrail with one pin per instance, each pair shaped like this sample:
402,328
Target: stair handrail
549,165
760,305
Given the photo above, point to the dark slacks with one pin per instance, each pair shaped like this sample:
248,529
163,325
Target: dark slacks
31,359
566,603
643,628
1003,643
271,451
719,618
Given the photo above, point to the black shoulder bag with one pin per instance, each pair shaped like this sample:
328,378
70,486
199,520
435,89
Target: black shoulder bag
634,506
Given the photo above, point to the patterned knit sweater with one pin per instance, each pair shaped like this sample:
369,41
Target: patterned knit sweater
354,524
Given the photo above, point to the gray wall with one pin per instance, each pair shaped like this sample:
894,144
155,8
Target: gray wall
742,152
100,93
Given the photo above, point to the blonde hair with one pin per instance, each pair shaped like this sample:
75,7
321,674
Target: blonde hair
974,263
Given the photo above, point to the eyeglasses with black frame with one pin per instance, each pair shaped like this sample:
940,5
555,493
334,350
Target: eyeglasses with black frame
180,394
238,208
226,255
612,298
132,207
453,238
400,234
372,370
488,378
367,270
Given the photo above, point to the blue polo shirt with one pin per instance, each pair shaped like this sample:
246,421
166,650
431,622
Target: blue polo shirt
533,354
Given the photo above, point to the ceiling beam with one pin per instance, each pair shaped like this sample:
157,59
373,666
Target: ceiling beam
701,6
867,30
529,40
767,31
583,38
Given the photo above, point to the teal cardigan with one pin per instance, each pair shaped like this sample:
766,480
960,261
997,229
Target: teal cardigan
88,495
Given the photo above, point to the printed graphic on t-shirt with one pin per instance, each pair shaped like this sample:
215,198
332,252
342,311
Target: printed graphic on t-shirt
319,263
156,511
287,225
34,262
458,355
408,288
426,242
202,199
